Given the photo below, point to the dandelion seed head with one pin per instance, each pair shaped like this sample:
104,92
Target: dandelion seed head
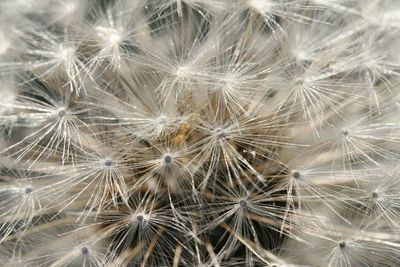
296,174
300,54
229,81
110,36
220,133
62,113
243,204
183,72
108,163
300,81
162,120
140,218
28,190
167,159
85,251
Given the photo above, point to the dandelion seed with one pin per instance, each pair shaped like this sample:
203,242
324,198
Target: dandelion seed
28,190
296,175
85,251
243,204
108,163
140,218
167,159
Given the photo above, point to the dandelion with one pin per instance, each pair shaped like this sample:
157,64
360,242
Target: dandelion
199,133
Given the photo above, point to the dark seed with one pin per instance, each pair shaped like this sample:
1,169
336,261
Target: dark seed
243,203
28,190
167,159
272,93
296,175
85,251
108,163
